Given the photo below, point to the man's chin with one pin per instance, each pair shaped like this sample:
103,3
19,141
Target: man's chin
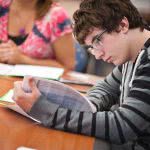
116,63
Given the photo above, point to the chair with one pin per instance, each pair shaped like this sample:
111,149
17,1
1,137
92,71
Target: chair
81,58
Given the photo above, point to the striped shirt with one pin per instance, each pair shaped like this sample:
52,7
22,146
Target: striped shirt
128,125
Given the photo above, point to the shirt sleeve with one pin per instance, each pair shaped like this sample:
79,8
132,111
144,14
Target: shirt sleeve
4,3
59,22
106,93
127,123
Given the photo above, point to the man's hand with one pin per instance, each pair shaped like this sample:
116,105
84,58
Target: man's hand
23,99
10,53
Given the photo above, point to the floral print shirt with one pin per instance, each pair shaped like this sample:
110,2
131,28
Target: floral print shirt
45,31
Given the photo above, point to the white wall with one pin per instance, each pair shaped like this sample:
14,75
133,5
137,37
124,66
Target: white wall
70,5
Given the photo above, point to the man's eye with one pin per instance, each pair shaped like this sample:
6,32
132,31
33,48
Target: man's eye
97,40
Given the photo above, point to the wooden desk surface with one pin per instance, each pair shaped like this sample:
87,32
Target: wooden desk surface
17,130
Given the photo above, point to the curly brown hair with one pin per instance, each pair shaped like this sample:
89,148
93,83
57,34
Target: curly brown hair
104,14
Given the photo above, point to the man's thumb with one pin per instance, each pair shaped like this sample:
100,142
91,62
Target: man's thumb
32,84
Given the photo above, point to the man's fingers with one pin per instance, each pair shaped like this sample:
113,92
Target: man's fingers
17,84
33,86
23,99
18,91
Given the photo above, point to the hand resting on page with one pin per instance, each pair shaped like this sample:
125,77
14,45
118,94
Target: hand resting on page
23,99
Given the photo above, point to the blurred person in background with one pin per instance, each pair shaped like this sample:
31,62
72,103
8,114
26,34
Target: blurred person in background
36,32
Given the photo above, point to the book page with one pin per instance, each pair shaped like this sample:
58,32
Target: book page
13,106
61,94
37,71
18,109
8,97
5,69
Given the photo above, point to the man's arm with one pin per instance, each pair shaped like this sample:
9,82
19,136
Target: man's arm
106,93
125,124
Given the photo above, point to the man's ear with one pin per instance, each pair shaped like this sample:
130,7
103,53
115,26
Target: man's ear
123,25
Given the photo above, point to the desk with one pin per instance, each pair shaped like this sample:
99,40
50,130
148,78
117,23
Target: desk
17,130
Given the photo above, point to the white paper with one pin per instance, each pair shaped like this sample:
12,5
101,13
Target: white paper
37,71
13,106
25,148
5,69
8,97
18,109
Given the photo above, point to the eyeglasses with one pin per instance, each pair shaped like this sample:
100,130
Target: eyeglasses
96,42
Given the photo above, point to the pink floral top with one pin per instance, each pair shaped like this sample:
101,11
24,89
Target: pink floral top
53,25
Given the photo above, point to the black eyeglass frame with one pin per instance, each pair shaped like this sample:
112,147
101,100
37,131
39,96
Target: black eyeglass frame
97,37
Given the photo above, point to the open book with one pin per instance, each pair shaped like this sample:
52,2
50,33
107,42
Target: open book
7,101
55,92
37,71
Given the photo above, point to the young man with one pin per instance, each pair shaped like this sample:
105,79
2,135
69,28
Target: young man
114,31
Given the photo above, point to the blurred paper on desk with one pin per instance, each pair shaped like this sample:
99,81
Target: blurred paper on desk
7,98
37,71
61,94
84,78
25,148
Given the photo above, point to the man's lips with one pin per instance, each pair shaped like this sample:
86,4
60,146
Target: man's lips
108,59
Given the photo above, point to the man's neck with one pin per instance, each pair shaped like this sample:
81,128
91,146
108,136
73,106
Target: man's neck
137,41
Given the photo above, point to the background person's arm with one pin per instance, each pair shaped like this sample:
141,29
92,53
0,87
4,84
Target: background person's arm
64,53
63,47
